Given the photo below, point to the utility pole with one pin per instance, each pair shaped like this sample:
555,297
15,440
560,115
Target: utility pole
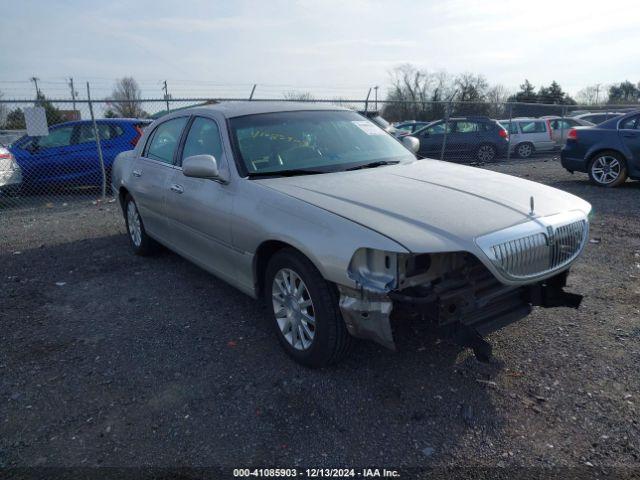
35,82
376,96
166,94
253,90
73,93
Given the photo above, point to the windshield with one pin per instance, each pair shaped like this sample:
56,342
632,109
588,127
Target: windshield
318,141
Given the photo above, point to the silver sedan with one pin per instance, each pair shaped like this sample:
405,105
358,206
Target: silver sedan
341,231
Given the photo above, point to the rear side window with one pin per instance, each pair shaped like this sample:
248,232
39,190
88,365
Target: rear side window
59,137
533,127
164,141
466,127
203,139
106,132
632,123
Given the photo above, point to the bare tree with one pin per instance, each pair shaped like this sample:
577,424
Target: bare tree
412,91
125,100
295,96
497,96
471,87
593,95
3,111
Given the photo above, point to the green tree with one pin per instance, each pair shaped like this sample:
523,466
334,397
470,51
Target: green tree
554,94
526,94
15,120
52,112
625,92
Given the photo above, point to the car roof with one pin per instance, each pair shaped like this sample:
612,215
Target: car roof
255,107
101,120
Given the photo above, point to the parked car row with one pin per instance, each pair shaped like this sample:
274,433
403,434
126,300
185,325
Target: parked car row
526,136
68,155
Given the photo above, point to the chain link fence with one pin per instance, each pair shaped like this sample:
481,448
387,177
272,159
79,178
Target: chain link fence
69,154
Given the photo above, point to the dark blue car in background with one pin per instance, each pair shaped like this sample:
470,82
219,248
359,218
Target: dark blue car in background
478,138
68,156
609,152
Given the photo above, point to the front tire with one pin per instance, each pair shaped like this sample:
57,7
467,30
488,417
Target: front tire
608,169
141,243
486,153
304,310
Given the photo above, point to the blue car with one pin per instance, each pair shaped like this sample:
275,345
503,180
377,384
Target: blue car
68,156
477,138
608,152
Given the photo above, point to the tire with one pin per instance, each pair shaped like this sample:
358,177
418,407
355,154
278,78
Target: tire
296,292
608,169
525,150
141,243
486,153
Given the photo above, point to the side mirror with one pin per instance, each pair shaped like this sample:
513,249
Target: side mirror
200,166
411,143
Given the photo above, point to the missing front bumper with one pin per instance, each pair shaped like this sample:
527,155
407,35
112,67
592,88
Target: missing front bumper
463,308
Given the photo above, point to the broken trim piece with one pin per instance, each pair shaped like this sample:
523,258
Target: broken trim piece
366,315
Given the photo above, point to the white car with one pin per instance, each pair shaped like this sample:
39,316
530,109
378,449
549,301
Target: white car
529,135
10,172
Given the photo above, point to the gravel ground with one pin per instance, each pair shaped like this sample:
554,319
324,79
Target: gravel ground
111,359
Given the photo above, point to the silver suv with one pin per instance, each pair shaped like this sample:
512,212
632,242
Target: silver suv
529,135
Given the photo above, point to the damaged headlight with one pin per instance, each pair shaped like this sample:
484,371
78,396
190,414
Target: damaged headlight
382,271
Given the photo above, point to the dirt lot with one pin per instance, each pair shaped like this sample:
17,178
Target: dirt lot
111,359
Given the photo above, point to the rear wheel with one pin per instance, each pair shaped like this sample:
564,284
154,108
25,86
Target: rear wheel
141,243
304,311
486,153
524,150
608,169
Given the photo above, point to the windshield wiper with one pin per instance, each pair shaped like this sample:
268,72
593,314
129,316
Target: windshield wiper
378,163
286,173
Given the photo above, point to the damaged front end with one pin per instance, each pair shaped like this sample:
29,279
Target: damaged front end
453,292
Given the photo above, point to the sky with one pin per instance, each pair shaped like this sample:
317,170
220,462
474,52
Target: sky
331,48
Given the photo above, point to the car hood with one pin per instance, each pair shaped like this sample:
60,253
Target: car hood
428,205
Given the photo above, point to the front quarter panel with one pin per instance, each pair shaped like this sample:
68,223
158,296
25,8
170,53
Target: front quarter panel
262,214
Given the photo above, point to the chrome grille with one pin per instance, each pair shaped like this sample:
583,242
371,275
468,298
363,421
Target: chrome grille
542,252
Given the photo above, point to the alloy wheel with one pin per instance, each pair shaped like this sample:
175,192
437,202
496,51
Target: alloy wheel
525,150
486,153
606,169
293,309
133,224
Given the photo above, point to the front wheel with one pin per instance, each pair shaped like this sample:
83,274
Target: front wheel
304,310
486,153
141,243
608,169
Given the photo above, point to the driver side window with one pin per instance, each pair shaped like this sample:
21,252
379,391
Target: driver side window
203,139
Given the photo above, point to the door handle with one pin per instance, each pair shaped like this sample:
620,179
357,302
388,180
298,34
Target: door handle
177,188
630,135
136,173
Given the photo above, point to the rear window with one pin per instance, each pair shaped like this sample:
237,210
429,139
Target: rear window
533,127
